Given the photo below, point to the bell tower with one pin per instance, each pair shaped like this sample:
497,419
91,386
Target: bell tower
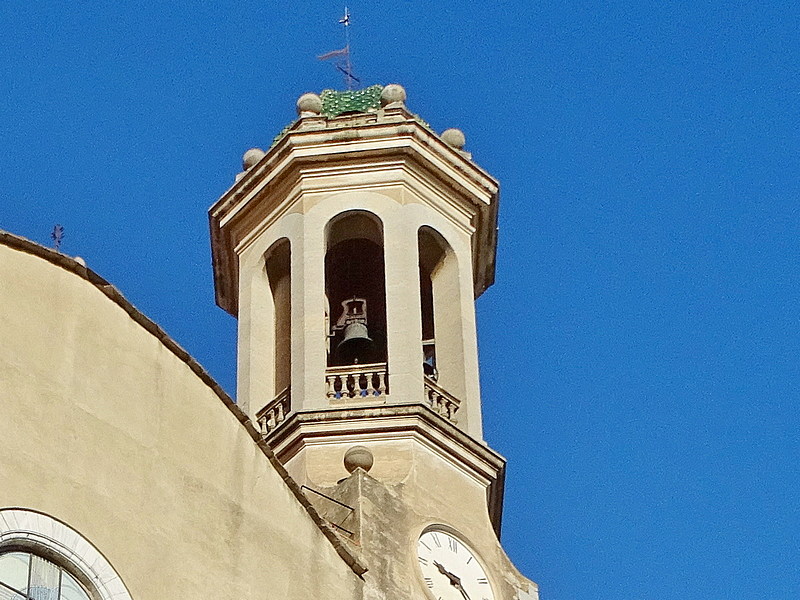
351,253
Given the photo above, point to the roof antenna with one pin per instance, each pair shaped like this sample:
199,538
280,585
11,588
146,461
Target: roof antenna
57,235
343,63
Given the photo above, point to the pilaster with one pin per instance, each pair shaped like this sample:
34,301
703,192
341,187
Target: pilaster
403,307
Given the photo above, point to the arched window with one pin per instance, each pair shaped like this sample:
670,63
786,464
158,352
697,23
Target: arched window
278,266
442,319
42,558
28,576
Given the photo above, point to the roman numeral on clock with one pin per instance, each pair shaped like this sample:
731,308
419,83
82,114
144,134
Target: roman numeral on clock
483,580
429,582
453,545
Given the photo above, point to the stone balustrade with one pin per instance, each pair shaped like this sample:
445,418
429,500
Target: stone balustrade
274,413
357,381
442,402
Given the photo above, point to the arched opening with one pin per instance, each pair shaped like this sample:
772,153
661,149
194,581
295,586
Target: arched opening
278,267
355,290
440,301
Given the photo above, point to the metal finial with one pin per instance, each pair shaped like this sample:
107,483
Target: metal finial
343,62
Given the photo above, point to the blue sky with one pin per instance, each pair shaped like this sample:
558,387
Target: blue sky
640,347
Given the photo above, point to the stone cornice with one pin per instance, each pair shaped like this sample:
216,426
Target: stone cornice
395,421
314,146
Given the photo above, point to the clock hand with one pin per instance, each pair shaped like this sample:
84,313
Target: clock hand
462,590
454,581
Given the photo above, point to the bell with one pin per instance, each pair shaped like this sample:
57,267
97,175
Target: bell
356,346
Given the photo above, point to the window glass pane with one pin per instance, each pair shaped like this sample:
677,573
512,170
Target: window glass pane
14,570
44,579
71,589
7,594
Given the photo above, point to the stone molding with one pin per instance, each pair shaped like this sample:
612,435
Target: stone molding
355,425
390,141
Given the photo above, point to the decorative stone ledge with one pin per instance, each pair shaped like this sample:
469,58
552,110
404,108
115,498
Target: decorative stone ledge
274,413
355,425
441,401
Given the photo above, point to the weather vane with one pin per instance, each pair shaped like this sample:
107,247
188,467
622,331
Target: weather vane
343,63
57,235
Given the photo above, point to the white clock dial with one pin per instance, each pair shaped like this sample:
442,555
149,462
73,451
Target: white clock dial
450,570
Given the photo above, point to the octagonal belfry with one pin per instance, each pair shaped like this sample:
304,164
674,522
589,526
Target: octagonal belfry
351,252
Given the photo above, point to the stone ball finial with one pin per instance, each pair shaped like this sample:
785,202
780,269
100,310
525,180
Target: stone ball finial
358,456
251,157
309,104
393,93
454,137
79,260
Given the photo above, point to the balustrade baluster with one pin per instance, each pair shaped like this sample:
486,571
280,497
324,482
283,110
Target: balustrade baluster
274,413
357,381
381,383
281,415
440,401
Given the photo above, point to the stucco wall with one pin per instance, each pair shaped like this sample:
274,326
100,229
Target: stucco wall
104,427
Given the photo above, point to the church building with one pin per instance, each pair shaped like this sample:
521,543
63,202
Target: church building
351,466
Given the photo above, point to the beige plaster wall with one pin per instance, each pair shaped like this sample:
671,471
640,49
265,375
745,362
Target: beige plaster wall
105,428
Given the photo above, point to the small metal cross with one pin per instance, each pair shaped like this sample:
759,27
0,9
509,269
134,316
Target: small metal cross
57,235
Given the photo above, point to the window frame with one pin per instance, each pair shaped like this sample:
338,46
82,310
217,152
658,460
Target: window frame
44,552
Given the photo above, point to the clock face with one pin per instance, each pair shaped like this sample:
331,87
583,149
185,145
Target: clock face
451,570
